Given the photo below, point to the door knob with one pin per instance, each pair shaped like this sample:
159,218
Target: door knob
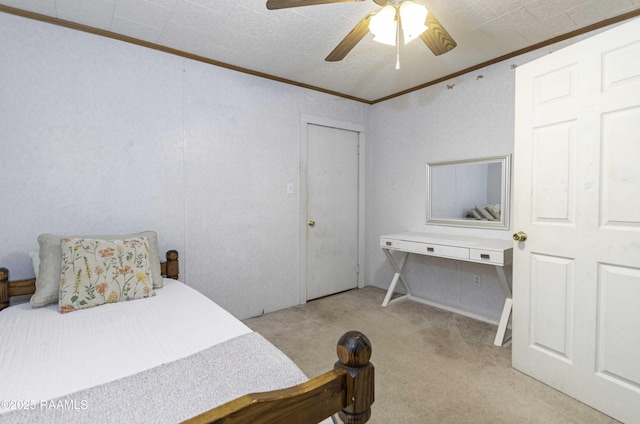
520,236
311,223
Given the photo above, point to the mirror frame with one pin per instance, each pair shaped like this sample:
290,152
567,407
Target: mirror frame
505,192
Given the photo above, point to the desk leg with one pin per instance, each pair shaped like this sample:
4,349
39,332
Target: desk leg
397,277
506,311
504,321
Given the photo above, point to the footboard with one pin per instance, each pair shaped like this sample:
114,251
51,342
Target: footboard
347,390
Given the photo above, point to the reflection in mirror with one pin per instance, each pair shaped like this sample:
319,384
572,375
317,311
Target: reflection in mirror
472,193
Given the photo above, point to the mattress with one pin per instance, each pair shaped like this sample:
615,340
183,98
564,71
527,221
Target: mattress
46,354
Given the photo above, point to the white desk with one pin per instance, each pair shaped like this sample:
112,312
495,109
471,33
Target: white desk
469,249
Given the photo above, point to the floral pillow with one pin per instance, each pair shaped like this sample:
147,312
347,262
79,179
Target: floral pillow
96,271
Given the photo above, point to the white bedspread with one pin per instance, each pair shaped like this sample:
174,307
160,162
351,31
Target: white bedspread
174,392
45,354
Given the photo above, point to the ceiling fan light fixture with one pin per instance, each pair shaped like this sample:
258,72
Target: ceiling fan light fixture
406,19
412,17
383,25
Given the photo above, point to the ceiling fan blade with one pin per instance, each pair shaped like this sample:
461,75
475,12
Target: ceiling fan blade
350,41
436,37
284,4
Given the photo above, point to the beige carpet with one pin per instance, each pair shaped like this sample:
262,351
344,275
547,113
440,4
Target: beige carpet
432,366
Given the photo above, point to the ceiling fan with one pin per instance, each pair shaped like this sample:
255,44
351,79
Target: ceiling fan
391,17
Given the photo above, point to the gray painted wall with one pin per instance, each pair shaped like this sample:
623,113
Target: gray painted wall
472,119
469,116
99,136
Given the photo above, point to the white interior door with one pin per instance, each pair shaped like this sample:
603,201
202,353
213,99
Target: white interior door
332,210
576,291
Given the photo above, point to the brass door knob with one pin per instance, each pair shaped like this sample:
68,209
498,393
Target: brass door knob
311,223
520,236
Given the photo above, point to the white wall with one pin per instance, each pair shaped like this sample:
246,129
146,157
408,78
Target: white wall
472,119
470,116
100,136
87,140
243,148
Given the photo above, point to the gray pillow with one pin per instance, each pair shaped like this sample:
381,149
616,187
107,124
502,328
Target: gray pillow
48,276
485,214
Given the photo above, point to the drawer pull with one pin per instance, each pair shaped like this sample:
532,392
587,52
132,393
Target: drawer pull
388,243
430,249
485,256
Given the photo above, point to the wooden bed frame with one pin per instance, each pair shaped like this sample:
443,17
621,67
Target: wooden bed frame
347,390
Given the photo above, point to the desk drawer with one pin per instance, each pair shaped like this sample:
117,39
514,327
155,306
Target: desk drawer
436,250
425,248
489,256
390,243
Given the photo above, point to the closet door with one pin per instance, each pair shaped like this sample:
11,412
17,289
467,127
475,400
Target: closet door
332,210
576,291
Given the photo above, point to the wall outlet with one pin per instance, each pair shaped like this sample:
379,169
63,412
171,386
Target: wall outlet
477,279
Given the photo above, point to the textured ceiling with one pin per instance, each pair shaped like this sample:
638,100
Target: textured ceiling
291,44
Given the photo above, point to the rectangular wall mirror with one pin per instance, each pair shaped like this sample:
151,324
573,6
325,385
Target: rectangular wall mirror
470,193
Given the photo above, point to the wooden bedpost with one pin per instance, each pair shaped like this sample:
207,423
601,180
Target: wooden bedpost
354,352
8,289
4,288
171,267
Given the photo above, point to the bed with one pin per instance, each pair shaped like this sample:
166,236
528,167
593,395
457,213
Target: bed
170,355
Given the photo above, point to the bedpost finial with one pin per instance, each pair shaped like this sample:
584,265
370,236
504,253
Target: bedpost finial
354,349
172,255
4,274
354,352
172,267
